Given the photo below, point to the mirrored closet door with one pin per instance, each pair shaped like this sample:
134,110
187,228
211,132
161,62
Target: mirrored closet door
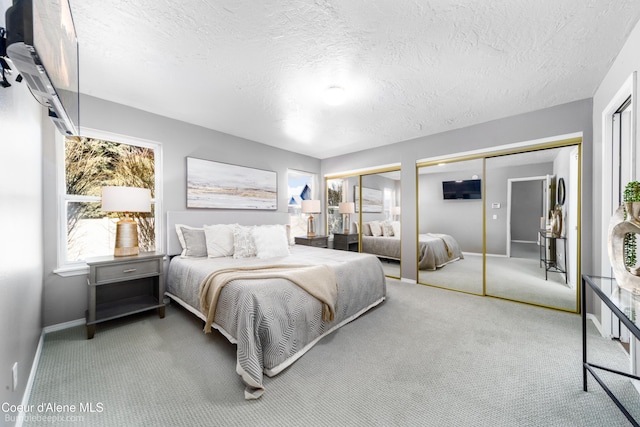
450,240
378,200
532,223
363,215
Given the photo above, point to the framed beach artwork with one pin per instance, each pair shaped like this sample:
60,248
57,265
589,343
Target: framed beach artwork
371,199
216,185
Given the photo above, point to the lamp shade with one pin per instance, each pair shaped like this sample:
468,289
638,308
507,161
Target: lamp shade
346,207
126,199
395,210
311,206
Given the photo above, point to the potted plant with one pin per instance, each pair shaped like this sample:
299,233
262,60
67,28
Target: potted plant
631,199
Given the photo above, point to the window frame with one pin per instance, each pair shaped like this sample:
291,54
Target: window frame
71,268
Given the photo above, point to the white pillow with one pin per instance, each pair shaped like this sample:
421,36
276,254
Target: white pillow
271,241
192,240
376,229
243,244
396,228
387,229
219,239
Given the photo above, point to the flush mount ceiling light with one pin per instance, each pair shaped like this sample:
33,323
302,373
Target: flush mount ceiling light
334,95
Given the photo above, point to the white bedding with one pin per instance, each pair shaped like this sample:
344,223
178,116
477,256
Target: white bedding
273,321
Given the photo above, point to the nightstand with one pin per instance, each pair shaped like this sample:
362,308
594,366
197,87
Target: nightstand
121,286
317,241
345,242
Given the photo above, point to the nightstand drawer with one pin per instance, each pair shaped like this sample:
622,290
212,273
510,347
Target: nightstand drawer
318,243
120,271
352,238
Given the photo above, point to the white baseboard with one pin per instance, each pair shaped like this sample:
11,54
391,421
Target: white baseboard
596,322
65,325
32,377
405,280
36,360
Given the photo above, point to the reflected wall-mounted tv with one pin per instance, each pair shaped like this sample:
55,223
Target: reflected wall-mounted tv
465,190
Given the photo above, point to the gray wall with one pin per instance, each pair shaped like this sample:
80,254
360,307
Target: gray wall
21,230
461,219
560,120
497,189
65,298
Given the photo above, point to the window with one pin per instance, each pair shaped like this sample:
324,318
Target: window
301,185
89,164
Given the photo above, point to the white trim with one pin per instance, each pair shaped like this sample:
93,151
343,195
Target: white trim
32,378
362,171
628,88
64,325
406,280
79,270
510,182
504,147
596,323
66,269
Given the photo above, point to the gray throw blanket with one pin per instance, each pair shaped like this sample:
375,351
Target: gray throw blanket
318,280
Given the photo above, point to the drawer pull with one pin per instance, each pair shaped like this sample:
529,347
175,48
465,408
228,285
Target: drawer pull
130,270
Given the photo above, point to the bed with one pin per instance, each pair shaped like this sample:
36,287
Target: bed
273,321
383,240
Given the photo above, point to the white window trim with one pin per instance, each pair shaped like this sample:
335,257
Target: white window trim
629,88
78,268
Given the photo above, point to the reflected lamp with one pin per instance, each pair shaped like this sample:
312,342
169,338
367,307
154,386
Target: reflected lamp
126,200
311,207
346,208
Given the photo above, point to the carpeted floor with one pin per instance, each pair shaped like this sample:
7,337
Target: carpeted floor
425,357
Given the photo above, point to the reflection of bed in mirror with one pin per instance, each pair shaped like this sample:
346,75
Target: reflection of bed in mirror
382,238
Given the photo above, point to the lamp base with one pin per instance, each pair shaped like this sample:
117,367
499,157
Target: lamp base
126,238
311,227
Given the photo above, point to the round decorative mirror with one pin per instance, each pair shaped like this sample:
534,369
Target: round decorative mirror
561,191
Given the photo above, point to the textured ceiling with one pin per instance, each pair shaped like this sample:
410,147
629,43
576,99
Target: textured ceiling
258,69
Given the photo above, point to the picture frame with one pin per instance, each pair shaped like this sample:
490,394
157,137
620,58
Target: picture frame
217,185
372,201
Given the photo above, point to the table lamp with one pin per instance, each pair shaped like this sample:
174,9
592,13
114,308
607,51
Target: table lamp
127,200
311,207
346,208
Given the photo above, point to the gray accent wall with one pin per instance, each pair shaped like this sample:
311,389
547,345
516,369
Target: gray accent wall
21,251
65,298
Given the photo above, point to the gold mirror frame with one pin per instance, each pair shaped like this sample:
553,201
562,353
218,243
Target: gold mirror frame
357,216
577,142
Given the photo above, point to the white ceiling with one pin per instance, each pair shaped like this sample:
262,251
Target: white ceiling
258,69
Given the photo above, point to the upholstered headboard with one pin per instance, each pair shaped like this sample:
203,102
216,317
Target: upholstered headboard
205,217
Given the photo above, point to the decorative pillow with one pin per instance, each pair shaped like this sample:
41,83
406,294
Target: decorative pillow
192,240
270,241
376,229
366,229
387,229
243,244
219,240
396,228
355,225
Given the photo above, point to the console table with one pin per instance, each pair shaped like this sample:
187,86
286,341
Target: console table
550,241
621,304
